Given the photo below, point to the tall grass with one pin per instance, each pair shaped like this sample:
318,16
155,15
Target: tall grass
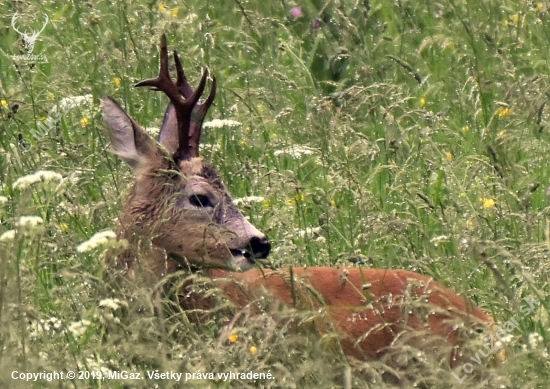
386,134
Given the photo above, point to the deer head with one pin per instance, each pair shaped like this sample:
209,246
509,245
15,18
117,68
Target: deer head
179,207
29,40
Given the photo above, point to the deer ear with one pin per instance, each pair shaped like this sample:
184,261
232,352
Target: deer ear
130,141
168,136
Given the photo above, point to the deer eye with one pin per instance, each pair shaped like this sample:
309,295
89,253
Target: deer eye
200,201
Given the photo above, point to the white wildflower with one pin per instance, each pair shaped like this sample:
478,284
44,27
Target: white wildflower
48,175
439,239
220,123
308,231
29,221
189,19
153,131
95,241
39,326
533,339
506,339
211,147
248,200
55,323
70,102
8,235
113,304
36,329
295,151
78,328
3,199
39,176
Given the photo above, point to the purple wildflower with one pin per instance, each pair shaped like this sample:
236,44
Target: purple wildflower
296,12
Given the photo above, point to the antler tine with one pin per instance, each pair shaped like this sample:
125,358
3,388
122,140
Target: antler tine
200,110
183,85
183,107
187,150
163,81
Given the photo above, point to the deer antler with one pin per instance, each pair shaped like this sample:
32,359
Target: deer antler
200,110
189,114
13,19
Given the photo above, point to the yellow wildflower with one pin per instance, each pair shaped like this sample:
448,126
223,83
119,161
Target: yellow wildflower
515,18
162,7
462,195
487,202
465,129
538,7
333,202
84,122
64,227
266,204
299,198
422,101
504,111
449,156
253,350
243,142
4,103
116,81
470,224
174,12
233,338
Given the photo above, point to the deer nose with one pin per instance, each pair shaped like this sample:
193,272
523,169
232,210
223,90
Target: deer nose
260,247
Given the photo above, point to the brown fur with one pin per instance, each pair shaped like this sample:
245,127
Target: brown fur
174,229
369,308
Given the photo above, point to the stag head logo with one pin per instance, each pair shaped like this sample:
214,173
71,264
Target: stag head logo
28,39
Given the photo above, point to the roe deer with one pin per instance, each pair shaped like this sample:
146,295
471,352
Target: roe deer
179,215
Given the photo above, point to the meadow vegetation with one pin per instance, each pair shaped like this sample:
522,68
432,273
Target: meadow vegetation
399,134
